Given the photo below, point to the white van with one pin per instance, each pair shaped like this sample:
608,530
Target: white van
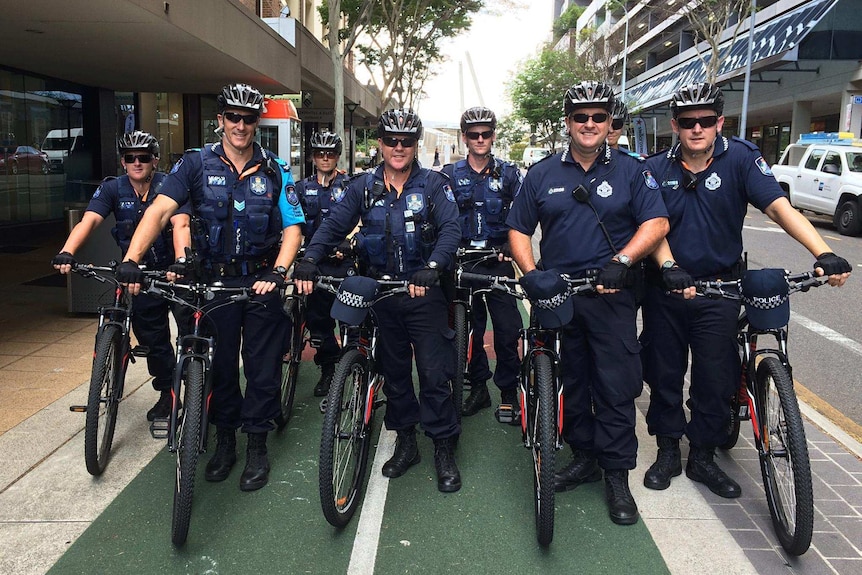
58,146
533,155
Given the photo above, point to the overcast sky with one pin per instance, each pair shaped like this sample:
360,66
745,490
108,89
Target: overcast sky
497,43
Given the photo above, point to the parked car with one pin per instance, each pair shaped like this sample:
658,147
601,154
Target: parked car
824,176
533,155
23,160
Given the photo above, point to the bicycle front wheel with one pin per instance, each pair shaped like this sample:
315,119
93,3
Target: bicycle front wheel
462,340
290,364
345,440
188,450
103,400
784,458
542,424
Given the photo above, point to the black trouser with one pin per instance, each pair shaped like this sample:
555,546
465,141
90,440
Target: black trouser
671,326
260,330
321,326
151,326
419,325
601,374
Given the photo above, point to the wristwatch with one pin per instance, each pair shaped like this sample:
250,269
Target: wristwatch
181,260
668,265
623,259
281,270
432,265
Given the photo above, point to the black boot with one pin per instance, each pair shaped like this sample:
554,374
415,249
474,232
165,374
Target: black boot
162,408
448,477
583,469
224,458
621,505
327,370
406,454
667,464
477,400
510,397
256,472
703,469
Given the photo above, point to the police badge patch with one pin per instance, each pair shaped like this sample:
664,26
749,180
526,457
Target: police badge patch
605,189
216,181
415,202
713,182
177,166
649,180
291,195
763,166
495,184
448,191
258,185
338,193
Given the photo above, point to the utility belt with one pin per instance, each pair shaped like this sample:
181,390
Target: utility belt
240,269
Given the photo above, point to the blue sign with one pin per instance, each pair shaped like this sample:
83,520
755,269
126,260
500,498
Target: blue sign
857,99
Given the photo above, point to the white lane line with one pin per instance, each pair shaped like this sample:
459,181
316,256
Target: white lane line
827,333
364,553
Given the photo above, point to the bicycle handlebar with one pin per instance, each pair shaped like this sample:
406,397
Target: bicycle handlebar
165,290
390,287
802,281
97,272
504,284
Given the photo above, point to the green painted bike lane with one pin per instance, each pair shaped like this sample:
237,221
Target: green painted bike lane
486,527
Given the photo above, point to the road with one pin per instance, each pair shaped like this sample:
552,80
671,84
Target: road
825,331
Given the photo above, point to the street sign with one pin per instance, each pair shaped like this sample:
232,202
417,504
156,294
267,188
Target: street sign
857,99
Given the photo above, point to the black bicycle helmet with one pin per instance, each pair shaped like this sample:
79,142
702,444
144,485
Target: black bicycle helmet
138,140
326,141
694,96
478,116
240,96
620,111
399,122
589,94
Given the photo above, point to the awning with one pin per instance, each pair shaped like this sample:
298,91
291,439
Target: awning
772,40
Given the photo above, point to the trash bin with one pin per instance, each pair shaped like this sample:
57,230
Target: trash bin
86,294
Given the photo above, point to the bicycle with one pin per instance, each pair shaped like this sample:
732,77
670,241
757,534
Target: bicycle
353,397
297,337
187,434
766,398
111,356
540,395
466,259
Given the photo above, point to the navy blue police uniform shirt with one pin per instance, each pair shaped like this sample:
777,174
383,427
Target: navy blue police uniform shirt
706,222
484,199
185,183
572,240
108,200
442,214
317,200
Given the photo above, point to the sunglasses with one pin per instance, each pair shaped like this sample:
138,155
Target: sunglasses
618,124
328,154
143,158
584,118
393,142
476,135
705,122
235,118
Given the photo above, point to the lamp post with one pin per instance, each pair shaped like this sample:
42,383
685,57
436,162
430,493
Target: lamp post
625,51
743,119
351,107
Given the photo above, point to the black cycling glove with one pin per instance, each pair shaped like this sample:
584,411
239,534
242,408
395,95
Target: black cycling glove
179,268
306,270
506,250
63,258
345,248
425,278
613,275
832,264
676,278
128,272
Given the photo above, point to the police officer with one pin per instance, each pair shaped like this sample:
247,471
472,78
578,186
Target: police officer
318,192
619,119
484,187
707,181
243,200
128,197
410,232
596,213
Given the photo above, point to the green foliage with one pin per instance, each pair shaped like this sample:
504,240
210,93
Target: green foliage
538,90
568,20
511,130
516,151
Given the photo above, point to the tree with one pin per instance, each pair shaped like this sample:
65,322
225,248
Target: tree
353,17
568,20
403,41
538,90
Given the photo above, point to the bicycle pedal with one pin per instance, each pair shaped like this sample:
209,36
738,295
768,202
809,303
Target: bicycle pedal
140,351
744,413
323,404
505,413
78,408
160,427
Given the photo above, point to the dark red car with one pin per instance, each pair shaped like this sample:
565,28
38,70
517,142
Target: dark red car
23,160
